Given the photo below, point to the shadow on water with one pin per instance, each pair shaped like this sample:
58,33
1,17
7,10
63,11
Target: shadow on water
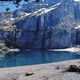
23,58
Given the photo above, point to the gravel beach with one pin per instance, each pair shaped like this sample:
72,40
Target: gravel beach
51,71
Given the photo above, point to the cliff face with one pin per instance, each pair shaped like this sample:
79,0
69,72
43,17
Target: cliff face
54,29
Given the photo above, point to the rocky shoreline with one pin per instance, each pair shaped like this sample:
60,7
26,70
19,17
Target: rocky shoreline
51,71
72,49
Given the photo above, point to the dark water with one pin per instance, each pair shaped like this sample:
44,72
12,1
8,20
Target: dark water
23,58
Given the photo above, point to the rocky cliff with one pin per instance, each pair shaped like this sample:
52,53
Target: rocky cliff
54,28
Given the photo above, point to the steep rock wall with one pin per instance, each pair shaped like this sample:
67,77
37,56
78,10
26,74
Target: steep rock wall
43,32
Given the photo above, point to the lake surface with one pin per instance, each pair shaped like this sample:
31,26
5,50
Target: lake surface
23,58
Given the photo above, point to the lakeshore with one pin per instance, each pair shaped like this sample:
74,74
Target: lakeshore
48,71
72,49
51,71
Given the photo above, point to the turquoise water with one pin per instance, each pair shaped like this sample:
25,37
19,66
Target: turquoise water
23,58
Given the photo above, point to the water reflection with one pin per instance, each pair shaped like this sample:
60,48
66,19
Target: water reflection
35,57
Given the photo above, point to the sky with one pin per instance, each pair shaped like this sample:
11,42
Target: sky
77,0
4,5
13,7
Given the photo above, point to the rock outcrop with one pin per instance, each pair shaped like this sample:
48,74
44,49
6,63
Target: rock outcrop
54,29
